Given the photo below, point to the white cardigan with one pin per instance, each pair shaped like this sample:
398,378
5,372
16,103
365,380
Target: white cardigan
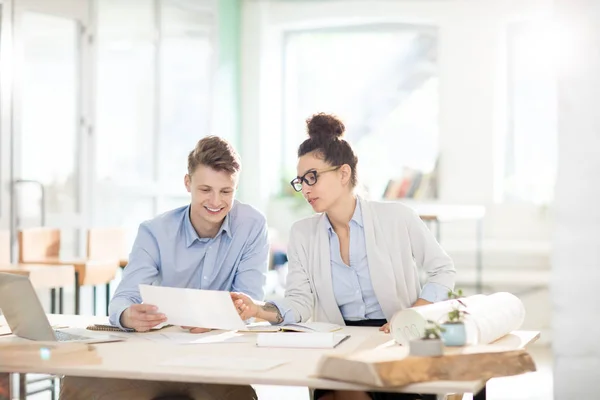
397,242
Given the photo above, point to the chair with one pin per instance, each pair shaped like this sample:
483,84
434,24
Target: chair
41,277
42,246
105,244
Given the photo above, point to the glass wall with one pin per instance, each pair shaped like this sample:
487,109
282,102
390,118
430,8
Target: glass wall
382,82
532,140
153,104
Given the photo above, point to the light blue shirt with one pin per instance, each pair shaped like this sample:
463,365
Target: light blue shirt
352,287
168,252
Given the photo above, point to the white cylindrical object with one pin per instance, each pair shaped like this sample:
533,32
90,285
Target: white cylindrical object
499,314
410,323
489,318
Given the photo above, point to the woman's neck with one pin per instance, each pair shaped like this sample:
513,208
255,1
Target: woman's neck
342,211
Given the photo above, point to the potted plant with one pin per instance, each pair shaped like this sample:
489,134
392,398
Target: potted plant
430,344
455,333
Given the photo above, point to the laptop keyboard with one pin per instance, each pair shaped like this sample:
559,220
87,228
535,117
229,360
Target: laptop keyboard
68,337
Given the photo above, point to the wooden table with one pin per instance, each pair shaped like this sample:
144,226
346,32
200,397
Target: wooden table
87,272
42,277
138,358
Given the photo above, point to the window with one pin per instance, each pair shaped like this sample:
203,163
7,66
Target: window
155,62
382,82
185,77
125,115
531,143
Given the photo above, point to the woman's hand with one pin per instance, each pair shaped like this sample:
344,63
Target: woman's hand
385,328
245,306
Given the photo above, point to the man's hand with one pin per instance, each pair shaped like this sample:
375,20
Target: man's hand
421,302
245,306
196,330
385,328
142,317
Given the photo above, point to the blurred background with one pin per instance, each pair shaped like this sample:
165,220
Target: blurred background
451,105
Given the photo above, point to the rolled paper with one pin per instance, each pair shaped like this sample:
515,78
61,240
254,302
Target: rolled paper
489,317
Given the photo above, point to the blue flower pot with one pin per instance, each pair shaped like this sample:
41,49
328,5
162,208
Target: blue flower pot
455,334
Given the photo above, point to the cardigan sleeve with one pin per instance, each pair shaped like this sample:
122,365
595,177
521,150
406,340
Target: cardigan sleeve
430,256
299,300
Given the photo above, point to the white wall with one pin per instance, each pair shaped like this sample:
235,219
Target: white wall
472,111
576,258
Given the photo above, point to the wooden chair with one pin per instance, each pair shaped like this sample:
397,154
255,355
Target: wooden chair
42,246
39,275
105,244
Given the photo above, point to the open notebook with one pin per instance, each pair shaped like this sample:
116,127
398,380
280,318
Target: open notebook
307,327
112,328
300,340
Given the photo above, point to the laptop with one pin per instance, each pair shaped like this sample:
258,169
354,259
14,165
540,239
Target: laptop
26,317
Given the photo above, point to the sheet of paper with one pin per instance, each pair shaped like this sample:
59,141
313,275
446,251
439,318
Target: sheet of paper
192,307
225,363
316,340
5,330
197,338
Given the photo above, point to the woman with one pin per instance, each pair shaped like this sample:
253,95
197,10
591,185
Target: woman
355,262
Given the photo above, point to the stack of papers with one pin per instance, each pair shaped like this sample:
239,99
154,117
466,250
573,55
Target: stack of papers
301,340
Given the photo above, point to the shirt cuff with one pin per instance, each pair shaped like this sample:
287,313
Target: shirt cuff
115,318
434,292
286,313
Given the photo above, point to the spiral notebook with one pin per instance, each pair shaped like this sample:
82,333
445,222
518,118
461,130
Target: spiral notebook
113,328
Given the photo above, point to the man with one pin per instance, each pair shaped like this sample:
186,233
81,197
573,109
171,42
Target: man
214,243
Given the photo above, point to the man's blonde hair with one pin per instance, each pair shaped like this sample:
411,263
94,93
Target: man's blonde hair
216,153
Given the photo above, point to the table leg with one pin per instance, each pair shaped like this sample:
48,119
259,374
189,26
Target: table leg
61,296
481,395
53,301
76,293
22,386
107,296
479,255
94,299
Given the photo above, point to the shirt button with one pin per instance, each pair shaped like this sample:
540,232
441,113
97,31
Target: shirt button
205,278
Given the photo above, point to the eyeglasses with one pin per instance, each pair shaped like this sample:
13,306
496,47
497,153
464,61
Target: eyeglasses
310,178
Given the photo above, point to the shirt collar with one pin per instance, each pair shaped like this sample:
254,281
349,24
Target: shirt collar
191,234
356,217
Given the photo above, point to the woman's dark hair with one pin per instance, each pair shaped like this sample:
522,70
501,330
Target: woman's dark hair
325,133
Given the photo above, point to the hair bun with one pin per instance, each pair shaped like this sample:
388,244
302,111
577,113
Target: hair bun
324,127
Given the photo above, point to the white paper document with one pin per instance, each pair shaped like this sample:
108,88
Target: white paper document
225,363
197,338
298,340
193,307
